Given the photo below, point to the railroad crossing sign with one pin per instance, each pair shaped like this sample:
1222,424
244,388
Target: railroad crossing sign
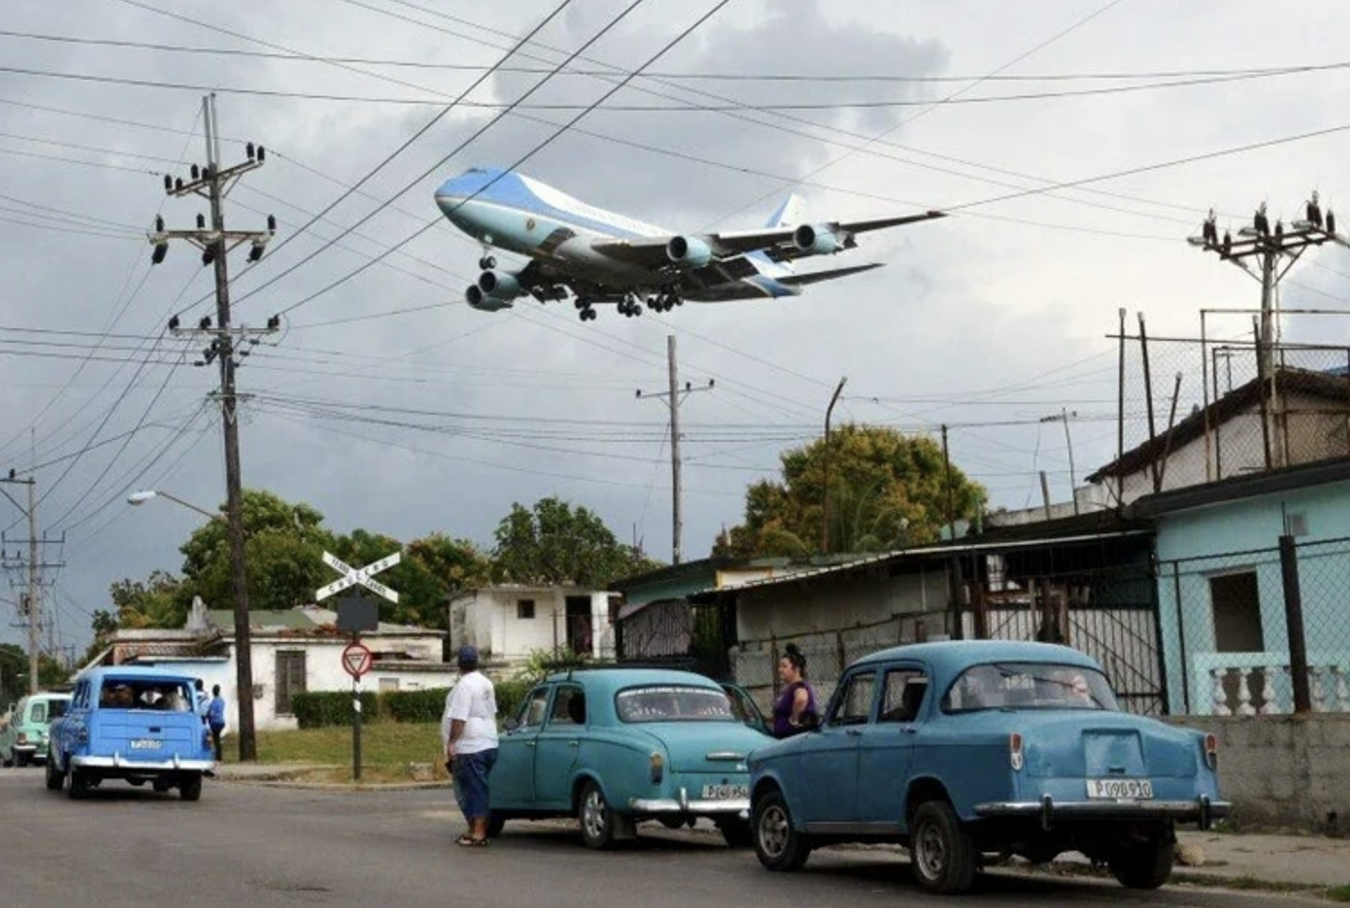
352,576
356,660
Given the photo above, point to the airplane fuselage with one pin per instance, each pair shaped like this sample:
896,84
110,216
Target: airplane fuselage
513,212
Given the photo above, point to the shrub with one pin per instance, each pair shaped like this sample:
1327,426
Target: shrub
414,705
510,694
319,709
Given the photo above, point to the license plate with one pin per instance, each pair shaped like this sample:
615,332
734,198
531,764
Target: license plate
725,792
1120,789
146,744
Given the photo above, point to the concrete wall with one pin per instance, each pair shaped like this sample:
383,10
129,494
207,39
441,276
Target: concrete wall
488,619
1288,771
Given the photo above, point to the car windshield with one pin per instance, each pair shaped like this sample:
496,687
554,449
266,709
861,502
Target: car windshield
141,693
1029,685
674,703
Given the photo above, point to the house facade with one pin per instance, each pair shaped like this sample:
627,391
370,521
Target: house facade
509,622
292,650
1222,588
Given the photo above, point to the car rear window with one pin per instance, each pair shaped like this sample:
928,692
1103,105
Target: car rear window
1029,685
673,703
142,693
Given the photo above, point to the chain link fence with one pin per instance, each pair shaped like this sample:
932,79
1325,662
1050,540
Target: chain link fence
1246,415
1259,632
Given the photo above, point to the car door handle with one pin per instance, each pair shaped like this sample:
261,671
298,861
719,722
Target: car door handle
909,729
853,731
573,743
529,743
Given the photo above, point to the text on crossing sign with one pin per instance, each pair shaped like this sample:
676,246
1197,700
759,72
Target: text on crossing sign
352,576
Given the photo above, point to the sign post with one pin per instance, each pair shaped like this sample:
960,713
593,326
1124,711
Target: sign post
355,615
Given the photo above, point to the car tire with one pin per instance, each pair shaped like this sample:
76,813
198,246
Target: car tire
597,820
737,833
496,820
56,779
778,845
940,849
190,786
79,784
1145,865
21,759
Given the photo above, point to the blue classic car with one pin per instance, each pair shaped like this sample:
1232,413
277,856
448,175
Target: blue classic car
134,724
962,749
616,746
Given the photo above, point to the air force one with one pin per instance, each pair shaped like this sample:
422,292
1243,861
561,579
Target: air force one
596,257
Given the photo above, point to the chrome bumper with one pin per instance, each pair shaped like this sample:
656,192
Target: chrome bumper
117,761
1202,810
738,806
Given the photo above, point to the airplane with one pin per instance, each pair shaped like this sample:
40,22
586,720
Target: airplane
598,257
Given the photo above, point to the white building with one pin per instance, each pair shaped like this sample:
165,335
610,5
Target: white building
294,650
508,623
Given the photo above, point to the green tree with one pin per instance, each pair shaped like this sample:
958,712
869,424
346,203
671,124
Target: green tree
283,548
154,602
887,490
557,543
421,595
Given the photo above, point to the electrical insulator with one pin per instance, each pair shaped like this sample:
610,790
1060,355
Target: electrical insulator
157,255
201,221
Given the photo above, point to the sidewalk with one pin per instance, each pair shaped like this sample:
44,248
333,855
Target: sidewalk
1284,860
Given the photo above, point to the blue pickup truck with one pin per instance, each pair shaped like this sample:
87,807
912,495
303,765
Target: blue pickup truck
130,723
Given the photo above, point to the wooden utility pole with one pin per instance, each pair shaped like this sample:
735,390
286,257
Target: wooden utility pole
30,603
825,488
673,397
213,183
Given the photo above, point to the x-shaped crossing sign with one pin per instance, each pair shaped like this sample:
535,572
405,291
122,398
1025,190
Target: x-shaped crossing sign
352,576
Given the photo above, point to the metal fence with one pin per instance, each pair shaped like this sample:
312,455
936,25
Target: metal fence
1259,632
1250,415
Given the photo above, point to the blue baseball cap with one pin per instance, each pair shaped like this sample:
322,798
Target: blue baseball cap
468,655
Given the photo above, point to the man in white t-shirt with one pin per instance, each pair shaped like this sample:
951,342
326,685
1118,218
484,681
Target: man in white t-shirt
469,730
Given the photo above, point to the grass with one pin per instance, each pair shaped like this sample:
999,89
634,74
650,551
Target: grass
1339,893
387,751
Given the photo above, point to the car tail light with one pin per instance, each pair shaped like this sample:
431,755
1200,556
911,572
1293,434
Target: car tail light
1211,751
1015,750
658,768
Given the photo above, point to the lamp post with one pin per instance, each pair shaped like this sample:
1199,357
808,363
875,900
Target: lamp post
243,644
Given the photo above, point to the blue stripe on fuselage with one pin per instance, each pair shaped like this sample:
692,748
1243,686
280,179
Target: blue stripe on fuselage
506,190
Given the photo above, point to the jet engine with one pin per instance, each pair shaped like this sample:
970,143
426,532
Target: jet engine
815,239
500,284
689,251
480,300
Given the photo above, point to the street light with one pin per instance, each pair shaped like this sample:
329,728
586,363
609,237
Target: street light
141,497
243,644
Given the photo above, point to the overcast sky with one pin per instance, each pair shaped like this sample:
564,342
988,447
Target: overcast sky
390,405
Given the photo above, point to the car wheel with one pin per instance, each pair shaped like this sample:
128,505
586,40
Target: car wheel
79,783
190,786
736,833
940,849
21,759
778,845
496,820
1146,865
597,822
56,779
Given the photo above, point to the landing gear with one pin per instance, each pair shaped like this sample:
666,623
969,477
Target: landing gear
487,263
630,307
585,312
664,302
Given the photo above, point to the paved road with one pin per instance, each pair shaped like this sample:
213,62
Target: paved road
247,846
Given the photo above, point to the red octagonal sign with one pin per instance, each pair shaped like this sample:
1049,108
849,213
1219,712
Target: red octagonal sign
356,660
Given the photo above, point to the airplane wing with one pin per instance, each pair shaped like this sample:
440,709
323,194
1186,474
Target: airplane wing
779,243
815,277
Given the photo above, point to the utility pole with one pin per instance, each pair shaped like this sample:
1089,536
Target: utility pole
30,603
228,346
1064,417
825,488
1269,247
673,397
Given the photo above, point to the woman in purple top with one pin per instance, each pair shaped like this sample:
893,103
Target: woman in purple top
795,709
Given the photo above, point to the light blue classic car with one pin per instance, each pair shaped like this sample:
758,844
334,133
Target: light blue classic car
963,749
131,723
615,746
24,739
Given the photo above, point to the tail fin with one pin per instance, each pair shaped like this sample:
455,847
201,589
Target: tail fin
788,214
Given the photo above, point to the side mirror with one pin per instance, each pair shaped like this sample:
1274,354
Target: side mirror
511,724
